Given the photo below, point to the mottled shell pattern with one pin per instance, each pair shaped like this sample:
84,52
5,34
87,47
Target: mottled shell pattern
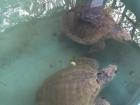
89,26
71,86
75,85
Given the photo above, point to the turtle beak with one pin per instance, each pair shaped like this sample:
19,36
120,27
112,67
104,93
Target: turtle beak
111,70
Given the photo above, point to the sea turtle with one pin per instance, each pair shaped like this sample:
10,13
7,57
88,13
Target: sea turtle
90,25
76,85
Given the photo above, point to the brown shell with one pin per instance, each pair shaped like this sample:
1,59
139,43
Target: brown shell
72,86
84,33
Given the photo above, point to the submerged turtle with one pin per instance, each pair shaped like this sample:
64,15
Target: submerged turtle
76,85
92,24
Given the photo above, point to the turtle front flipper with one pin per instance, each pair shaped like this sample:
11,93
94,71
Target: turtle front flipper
101,101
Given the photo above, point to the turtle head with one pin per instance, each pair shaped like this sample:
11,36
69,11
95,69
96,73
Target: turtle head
107,74
120,35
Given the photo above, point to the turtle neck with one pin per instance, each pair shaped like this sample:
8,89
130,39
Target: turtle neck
102,78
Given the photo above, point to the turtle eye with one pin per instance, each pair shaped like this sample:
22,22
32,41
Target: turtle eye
103,97
116,72
99,73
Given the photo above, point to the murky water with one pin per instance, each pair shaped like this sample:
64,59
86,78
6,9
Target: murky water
33,50
29,53
124,89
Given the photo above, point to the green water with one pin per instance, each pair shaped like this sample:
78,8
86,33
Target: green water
124,89
32,51
29,53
